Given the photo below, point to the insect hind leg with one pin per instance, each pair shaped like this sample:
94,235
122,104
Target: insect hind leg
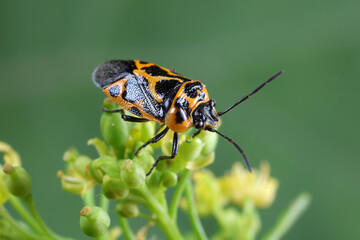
174,152
125,117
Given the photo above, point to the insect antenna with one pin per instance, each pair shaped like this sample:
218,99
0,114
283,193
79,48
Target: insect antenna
234,143
253,92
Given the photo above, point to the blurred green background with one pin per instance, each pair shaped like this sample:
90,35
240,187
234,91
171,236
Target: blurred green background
306,123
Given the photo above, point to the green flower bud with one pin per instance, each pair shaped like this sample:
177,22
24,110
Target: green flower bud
100,146
114,188
10,155
114,131
4,193
132,174
94,221
154,180
169,179
17,181
143,131
81,165
144,159
70,155
72,184
188,151
211,140
148,148
102,166
127,208
201,161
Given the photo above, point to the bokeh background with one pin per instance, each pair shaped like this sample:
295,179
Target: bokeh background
306,123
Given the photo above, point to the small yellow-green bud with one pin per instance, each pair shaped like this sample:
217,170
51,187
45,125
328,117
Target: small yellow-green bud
188,151
100,146
114,188
143,131
10,155
201,161
144,159
102,166
70,155
128,208
169,179
4,192
211,140
81,165
154,180
94,221
132,174
72,184
17,180
114,130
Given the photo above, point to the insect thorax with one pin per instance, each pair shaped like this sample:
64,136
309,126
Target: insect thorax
190,96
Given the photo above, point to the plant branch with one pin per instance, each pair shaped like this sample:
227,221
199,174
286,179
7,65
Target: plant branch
126,229
15,225
289,217
194,217
174,205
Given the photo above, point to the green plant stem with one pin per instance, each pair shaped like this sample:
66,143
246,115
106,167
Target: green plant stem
15,225
174,205
125,227
289,217
89,198
30,204
104,203
194,217
164,221
17,205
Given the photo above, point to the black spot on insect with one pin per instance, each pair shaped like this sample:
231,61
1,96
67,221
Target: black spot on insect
135,111
181,103
188,111
165,87
142,62
180,116
114,91
111,71
157,71
191,89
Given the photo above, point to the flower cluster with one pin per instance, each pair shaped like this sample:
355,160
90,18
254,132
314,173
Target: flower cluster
122,175
233,199
218,197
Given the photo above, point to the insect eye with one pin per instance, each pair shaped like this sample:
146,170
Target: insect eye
199,124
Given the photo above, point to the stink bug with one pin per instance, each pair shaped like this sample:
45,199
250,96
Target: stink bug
154,93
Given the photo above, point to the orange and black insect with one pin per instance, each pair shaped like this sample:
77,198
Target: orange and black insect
154,93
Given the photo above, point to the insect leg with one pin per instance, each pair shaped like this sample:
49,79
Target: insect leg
124,116
174,152
196,133
155,139
159,128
